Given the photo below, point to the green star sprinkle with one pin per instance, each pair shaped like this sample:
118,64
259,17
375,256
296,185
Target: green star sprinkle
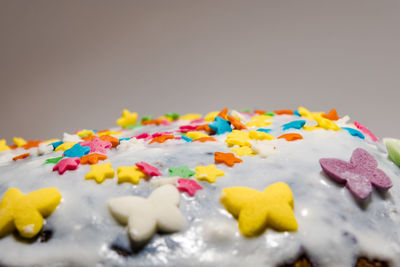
182,171
53,160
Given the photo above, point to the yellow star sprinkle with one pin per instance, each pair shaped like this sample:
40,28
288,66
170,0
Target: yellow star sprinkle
196,135
65,146
3,145
243,151
190,117
100,172
19,141
26,212
259,121
127,118
312,128
326,123
211,116
208,173
130,174
109,133
258,135
323,123
84,133
237,137
256,210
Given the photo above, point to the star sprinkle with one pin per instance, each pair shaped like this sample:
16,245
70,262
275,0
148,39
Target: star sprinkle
67,164
259,121
211,116
243,151
19,141
182,171
236,123
44,149
190,117
64,146
188,186
240,138
127,118
97,145
145,216
92,158
393,148
354,132
366,131
131,144
161,138
220,126
332,115
85,133
71,138
359,175
130,174
77,151
264,149
25,212
196,135
256,211
294,125
208,173
291,137
205,139
31,144
260,135
100,172
22,156
148,169
53,160
228,159
3,145
108,138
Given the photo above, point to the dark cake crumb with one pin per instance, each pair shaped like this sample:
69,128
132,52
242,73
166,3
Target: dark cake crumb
45,236
121,251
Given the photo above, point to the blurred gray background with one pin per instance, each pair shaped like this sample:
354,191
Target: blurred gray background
67,65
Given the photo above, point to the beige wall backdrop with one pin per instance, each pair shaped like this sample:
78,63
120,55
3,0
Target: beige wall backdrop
67,65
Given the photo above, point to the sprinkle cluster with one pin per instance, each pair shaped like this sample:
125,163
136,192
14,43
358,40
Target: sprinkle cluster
245,133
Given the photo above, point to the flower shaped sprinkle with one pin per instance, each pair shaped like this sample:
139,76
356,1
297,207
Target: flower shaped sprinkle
359,174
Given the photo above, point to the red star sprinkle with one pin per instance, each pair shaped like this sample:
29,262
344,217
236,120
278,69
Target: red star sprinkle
228,159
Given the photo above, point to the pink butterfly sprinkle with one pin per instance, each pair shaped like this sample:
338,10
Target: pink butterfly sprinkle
148,169
67,164
359,175
189,186
365,130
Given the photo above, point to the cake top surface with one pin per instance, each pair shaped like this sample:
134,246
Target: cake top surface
230,187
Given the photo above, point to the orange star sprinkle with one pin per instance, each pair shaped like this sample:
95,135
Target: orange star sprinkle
332,115
89,138
284,112
223,113
205,128
162,138
23,156
92,158
236,123
291,136
114,141
155,121
260,112
31,144
205,139
228,159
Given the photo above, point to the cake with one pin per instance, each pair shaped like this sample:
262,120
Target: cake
231,188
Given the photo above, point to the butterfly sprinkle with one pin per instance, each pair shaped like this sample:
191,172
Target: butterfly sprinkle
359,175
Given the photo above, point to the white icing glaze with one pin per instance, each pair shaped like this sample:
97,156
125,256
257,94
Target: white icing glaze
334,228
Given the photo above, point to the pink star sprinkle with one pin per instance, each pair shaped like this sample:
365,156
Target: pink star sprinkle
97,145
148,169
187,128
188,186
67,164
142,136
365,130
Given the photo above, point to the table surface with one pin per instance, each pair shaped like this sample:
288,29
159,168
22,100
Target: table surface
68,65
